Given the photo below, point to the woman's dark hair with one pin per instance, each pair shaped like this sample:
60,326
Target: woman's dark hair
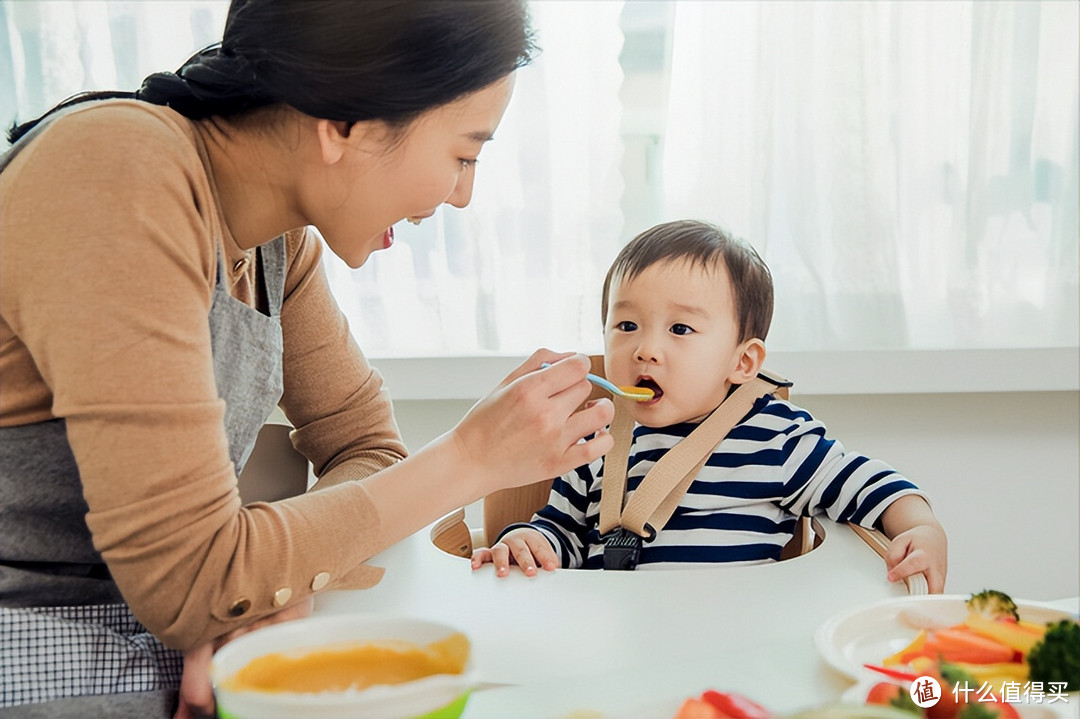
346,60
707,246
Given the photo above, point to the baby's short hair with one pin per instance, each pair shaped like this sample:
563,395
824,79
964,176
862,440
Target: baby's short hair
708,246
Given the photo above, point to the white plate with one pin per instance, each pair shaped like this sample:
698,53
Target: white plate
868,634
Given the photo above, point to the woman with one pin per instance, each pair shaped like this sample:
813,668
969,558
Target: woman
159,295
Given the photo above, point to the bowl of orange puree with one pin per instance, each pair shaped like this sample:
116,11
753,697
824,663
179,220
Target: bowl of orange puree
346,665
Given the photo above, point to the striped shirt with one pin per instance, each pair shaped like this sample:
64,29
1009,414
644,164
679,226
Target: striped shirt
774,466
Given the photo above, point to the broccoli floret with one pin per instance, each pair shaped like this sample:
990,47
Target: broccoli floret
993,604
1056,658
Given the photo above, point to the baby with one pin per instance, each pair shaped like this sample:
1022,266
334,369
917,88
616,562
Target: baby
686,309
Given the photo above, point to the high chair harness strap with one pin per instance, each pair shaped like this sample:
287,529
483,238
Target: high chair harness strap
655,499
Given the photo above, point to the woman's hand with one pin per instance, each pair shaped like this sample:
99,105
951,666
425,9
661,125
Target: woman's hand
196,692
530,429
524,546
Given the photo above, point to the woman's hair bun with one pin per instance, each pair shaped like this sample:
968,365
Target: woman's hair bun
209,83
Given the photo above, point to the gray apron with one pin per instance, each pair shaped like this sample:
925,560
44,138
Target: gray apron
69,645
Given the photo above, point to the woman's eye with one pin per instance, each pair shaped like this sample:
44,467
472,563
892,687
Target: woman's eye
466,164
626,326
681,329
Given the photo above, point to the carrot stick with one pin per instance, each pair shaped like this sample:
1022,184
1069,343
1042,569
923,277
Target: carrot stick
966,646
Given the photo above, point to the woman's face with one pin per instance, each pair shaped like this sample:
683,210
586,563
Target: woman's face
384,178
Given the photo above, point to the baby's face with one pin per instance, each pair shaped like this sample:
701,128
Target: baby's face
673,329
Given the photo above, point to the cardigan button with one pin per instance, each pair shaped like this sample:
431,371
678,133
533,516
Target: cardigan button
281,596
239,607
320,581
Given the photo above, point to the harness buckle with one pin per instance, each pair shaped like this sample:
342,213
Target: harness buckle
622,549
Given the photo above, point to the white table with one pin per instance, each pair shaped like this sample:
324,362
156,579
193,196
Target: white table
625,642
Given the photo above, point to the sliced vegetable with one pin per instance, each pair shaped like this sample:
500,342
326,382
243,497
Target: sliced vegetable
1011,634
956,645
911,650
995,674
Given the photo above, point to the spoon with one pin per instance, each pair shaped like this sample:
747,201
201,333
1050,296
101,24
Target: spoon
638,394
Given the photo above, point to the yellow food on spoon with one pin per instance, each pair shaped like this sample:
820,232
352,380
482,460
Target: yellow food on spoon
352,666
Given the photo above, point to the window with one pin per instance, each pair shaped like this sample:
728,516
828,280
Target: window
908,170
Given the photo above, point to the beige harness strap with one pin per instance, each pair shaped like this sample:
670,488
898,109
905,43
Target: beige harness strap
653,502
613,491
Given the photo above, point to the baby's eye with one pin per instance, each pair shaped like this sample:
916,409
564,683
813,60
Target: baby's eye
626,326
466,163
681,329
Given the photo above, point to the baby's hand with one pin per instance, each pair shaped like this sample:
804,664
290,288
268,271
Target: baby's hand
923,548
524,546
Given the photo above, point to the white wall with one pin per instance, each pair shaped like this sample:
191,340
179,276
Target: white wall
1003,471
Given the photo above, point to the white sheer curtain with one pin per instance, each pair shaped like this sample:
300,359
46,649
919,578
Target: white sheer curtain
50,50
909,170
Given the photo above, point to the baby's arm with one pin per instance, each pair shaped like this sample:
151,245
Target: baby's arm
523,546
918,542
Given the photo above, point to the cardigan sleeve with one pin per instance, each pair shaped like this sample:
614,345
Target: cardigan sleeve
336,400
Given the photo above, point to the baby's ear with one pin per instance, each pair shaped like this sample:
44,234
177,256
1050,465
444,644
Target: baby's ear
751,357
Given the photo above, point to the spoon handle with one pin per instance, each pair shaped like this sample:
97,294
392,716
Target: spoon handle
614,389
601,382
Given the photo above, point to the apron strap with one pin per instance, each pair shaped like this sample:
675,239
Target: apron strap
272,259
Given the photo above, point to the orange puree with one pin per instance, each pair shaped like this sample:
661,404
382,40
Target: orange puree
352,666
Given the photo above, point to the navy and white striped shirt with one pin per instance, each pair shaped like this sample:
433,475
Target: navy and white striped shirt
774,466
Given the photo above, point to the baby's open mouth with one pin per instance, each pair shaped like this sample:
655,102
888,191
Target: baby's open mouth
649,383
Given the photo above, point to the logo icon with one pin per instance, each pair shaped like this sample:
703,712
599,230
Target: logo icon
925,692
